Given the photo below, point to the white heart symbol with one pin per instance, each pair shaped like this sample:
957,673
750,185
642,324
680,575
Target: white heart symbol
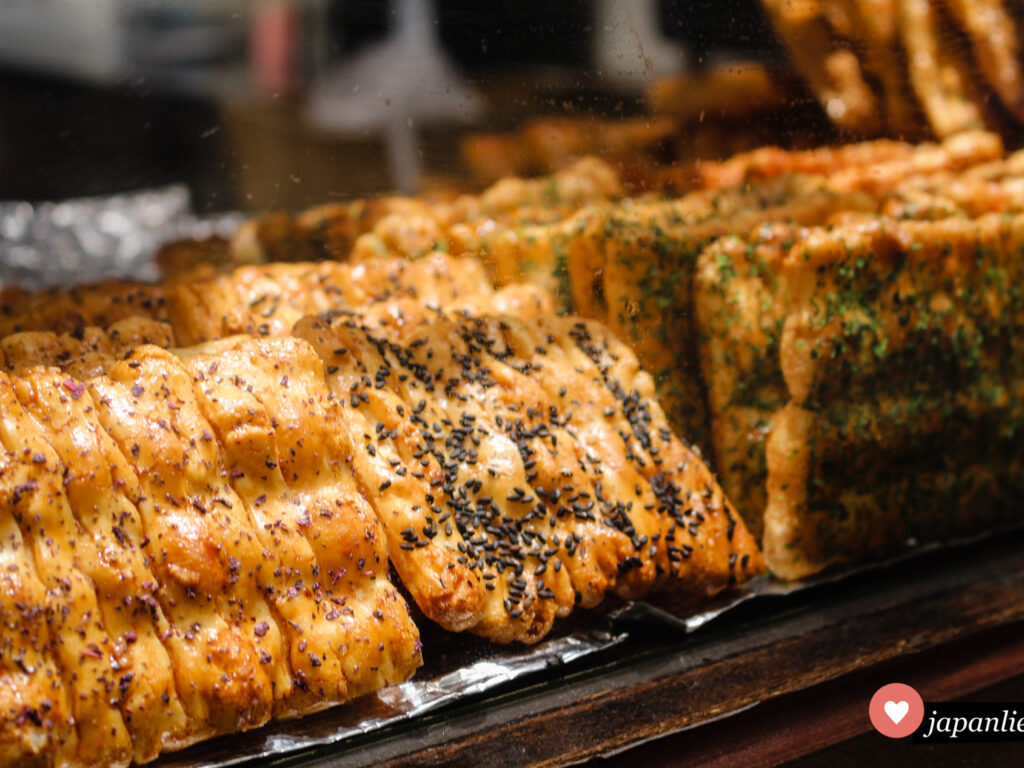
896,710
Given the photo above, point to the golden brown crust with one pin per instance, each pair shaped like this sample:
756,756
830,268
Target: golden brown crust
832,71
267,300
734,90
901,355
741,305
939,76
493,156
69,310
414,227
545,146
180,257
64,560
86,352
632,267
523,300
37,727
876,35
217,572
709,548
199,540
110,536
284,443
993,33
740,311
958,153
871,166
959,196
507,505
440,583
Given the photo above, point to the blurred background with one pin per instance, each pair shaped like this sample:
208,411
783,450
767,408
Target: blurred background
285,103
258,104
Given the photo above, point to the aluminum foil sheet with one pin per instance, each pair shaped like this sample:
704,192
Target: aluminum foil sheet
92,238
456,667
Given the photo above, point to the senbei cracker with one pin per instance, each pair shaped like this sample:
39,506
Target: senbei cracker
904,368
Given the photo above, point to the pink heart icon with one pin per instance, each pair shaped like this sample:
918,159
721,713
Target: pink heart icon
896,710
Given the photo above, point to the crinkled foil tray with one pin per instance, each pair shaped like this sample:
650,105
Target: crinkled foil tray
93,238
60,244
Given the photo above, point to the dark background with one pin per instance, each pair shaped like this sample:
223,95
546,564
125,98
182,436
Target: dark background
61,136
